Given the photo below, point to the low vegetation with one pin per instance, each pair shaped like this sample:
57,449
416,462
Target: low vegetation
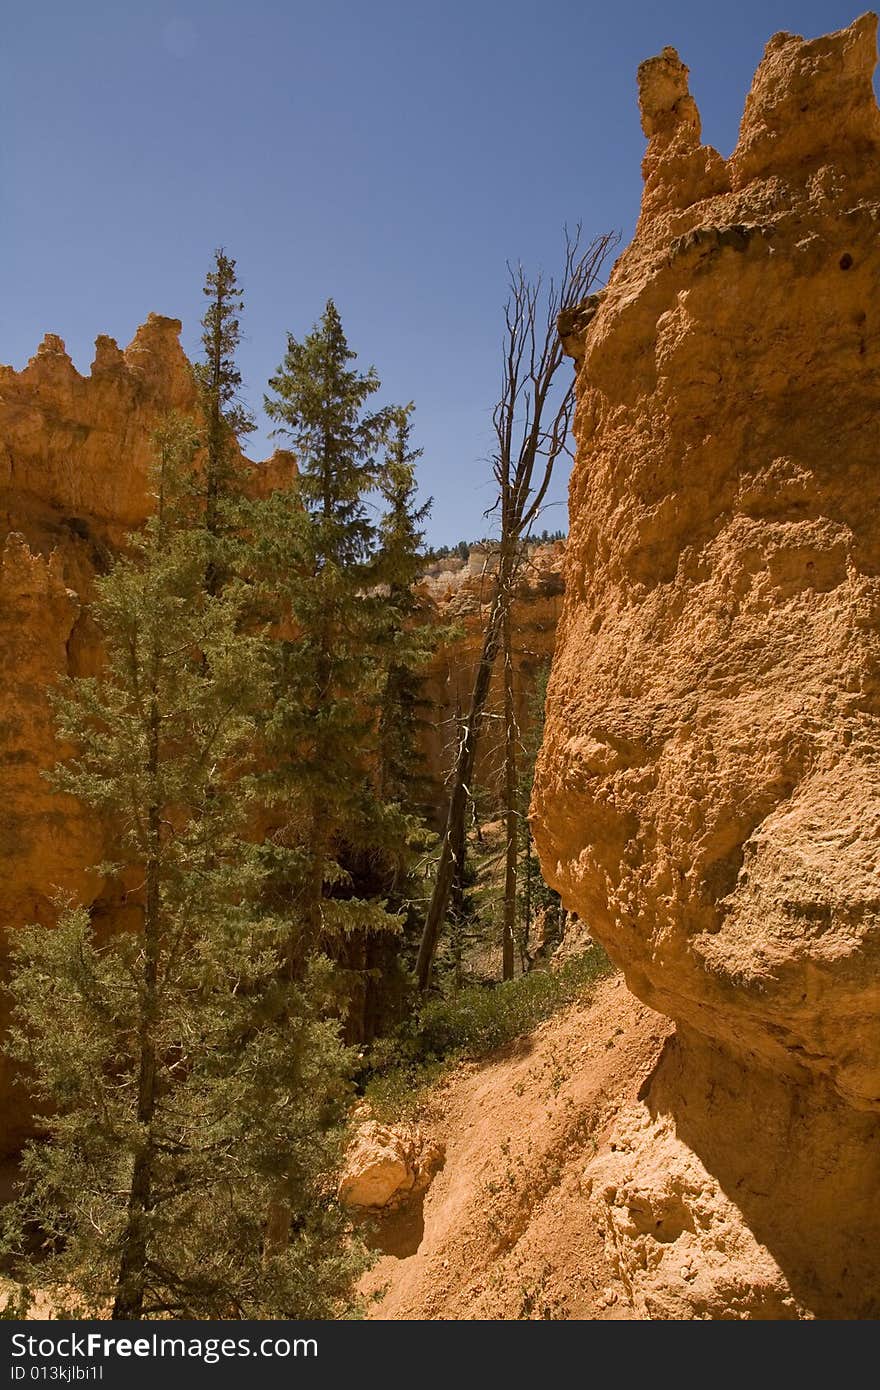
466,1024
462,549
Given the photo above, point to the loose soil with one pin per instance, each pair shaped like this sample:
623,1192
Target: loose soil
505,1230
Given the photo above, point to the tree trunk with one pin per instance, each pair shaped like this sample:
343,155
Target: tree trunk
511,817
304,937
527,905
129,1300
215,443
462,779
456,897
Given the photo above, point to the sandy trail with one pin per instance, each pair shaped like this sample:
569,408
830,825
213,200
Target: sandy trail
505,1231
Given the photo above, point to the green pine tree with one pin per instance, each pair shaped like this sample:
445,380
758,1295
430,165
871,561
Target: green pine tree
186,1079
407,637
336,840
226,418
410,635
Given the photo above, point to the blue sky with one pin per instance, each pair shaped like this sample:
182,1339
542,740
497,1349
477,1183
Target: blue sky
391,155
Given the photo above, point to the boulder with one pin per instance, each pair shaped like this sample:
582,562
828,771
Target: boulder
387,1166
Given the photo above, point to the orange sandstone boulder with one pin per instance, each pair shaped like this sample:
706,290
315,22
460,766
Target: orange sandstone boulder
387,1166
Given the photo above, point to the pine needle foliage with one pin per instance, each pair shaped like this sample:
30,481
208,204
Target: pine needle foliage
409,636
218,376
315,547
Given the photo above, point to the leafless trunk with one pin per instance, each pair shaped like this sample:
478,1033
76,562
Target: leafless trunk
131,1276
511,807
532,420
462,778
457,894
525,941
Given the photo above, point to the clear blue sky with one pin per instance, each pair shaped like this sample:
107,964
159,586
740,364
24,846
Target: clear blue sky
390,153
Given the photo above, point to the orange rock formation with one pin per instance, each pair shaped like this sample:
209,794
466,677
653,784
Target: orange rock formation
708,794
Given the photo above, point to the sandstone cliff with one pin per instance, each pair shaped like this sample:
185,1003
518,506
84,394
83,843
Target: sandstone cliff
75,451
708,794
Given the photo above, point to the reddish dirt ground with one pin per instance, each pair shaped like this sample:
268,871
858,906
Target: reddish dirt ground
505,1230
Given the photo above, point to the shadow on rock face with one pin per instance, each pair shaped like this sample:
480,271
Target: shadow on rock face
730,1192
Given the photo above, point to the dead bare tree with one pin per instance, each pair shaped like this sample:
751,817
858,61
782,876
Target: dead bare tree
532,421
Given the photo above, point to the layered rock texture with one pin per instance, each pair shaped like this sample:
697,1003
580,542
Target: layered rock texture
708,795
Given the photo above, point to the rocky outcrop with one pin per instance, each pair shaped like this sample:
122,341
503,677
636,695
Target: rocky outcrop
45,839
75,451
388,1166
735,1191
708,796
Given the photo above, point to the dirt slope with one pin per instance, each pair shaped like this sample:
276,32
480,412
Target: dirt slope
505,1231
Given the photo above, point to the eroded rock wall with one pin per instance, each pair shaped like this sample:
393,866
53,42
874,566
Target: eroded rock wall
75,450
708,796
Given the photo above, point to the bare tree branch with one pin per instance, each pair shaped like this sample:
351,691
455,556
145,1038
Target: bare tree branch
532,420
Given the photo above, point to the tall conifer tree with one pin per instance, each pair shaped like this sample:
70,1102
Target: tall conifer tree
318,548
408,635
226,418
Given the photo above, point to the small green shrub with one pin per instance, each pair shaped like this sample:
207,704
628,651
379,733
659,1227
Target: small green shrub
476,1020
16,1302
467,1024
